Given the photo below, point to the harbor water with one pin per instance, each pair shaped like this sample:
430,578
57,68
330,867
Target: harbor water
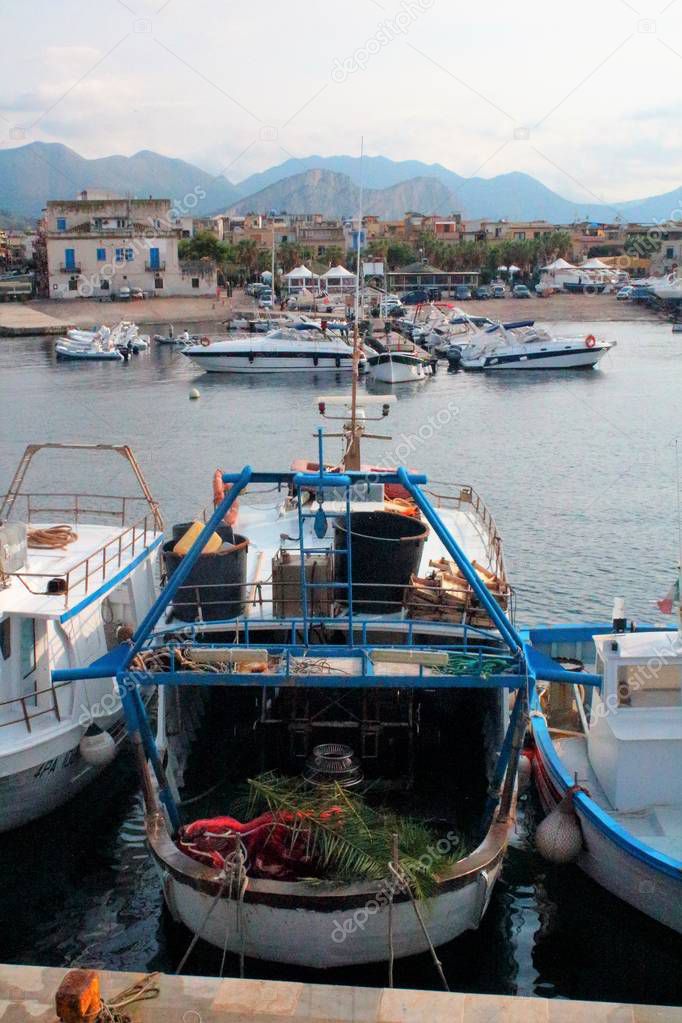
579,471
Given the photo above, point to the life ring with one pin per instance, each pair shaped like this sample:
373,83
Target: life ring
219,491
590,341
205,341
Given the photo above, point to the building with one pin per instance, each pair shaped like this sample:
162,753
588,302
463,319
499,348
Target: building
423,275
98,244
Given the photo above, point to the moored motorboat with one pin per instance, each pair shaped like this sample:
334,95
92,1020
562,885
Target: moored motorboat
67,348
608,765
397,361
524,346
281,350
71,588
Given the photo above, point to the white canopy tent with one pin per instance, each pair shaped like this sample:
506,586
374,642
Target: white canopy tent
338,279
299,278
558,264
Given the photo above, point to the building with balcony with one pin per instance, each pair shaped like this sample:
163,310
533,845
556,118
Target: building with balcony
99,244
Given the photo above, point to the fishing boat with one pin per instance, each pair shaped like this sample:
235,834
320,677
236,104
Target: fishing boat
76,575
523,346
362,636
284,349
398,361
607,765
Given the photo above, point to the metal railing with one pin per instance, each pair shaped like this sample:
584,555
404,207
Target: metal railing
92,569
77,505
29,714
467,496
66,268
154,267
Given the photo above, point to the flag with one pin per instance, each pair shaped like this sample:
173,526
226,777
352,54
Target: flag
666,604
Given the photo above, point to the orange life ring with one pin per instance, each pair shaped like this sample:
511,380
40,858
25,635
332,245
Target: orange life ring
205,341
590,340
219,491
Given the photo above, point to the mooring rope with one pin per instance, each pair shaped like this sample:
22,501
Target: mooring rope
399,876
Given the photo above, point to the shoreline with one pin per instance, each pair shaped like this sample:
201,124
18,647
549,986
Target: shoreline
47,317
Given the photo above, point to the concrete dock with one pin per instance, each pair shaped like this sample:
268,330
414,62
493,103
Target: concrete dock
27,993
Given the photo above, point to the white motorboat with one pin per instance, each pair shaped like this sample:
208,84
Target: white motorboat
668,288
67,348
398,361
523,346
613,761
281,350
76,574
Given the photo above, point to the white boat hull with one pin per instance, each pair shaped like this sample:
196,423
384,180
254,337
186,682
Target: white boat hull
324,926
571,359
266,363
608,862
390,368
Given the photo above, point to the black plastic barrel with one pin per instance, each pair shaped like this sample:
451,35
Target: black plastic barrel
215,589
386,550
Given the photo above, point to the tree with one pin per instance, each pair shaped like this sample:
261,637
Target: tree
400,254
247,254
334,254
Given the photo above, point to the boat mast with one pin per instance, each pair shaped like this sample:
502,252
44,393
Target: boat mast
352,457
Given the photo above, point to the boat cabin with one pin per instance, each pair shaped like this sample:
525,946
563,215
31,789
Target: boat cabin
635,737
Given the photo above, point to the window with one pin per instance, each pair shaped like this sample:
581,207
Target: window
129,254
70,259
6,638
27,646
104,285
644,685
670,252
195,282
158,282
73,284
101,255
61,223
154,260
119,255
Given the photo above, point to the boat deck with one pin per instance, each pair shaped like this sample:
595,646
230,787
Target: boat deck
94,559
658,826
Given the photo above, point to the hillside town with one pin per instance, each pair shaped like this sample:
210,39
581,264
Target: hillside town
103,246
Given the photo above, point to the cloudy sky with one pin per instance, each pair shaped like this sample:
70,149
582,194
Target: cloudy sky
584,95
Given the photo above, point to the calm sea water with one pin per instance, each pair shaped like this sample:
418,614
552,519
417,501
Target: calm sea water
579,472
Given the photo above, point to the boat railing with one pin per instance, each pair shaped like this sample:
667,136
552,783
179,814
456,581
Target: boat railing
92,570
464,498
272,604
77,508
30,713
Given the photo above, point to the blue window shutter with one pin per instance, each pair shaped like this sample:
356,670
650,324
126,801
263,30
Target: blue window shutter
130,254
70,259
61,224
119,255
154,259
101,255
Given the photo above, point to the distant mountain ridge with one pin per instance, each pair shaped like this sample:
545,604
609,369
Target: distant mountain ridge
34,173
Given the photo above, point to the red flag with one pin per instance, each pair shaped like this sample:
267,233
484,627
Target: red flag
665,606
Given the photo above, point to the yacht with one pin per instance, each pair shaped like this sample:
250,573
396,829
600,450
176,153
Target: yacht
523,346
398,361
285,349
76,578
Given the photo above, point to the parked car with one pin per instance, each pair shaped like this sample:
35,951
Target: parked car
640,293
498,291
520,291
483,291
462,292
416,297
123,295
625,293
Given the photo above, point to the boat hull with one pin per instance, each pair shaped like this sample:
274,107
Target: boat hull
265,362
389,368
579,358
324,926
608,857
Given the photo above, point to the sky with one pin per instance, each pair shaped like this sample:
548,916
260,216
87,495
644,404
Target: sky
585,96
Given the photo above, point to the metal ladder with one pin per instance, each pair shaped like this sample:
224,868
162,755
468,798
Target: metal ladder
308,588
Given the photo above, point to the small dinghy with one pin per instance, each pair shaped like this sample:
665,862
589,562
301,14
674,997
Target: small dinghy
67,348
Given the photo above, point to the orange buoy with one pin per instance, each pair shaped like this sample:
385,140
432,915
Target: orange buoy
219,491
590,340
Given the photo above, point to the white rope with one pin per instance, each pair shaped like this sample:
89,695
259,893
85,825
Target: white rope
404,883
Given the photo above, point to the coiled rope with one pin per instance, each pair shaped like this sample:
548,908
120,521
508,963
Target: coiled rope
52,538
140,991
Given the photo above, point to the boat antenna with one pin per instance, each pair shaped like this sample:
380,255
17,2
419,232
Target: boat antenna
352,456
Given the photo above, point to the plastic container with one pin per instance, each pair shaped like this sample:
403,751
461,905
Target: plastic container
215,589
186,539
386,550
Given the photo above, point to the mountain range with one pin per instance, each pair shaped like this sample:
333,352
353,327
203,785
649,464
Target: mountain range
31,174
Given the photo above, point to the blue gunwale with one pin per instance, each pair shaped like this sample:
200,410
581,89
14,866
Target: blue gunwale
109,584
562,778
